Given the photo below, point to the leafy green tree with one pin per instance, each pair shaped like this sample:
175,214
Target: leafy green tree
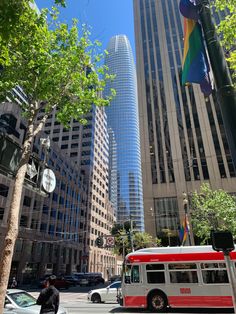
227,28
11,12
140,240
58,70
212,210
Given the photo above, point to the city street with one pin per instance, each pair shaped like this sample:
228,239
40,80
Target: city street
75,301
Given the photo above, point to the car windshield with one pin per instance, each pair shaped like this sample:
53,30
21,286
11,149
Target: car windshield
115,285
22,299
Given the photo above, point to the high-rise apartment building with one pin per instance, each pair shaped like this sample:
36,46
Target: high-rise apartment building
183,142
122,119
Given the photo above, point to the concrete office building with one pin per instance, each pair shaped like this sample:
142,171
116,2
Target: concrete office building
50,224
183,142
88,147
122,119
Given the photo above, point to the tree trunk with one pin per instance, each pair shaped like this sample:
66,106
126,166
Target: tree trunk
13,217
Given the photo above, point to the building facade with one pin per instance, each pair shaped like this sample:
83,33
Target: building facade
183,141
123,120
50,224
88,147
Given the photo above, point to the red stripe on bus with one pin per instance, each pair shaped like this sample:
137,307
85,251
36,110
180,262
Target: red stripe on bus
183,301
135,301
209,256
201,301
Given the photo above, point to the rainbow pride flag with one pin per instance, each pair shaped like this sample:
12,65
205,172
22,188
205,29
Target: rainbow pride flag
184,230
195,64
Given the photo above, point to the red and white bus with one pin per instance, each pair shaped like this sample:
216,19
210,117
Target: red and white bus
193,276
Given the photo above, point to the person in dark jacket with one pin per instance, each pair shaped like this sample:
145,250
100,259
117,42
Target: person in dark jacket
49,297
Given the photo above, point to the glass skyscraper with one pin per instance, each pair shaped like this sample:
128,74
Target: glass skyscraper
122,118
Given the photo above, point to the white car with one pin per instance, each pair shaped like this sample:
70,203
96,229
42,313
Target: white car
21,302
108,294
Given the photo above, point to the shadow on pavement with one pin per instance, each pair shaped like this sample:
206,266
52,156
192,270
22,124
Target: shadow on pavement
179,310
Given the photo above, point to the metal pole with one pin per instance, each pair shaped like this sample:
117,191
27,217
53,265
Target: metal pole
232,279
226,93
131,235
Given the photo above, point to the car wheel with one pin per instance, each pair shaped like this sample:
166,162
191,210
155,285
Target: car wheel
157,302
96,298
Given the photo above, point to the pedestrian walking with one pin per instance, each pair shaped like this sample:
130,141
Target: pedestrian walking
49,297
14,283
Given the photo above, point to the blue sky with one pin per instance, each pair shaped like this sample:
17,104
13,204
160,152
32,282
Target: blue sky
106,17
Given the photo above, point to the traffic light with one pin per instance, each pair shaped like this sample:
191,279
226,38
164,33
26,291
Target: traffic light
99,241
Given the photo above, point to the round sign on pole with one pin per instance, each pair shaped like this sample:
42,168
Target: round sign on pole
48,180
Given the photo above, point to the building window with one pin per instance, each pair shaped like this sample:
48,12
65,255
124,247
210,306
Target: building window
74,145
65,138
27,201
23,221
75,137
74,154
4,190
65,146
1,213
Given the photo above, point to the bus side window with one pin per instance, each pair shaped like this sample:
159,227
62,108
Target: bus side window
214,273
135,274
215,276
155,273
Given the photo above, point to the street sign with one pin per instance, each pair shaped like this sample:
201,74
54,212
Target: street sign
48,180
110,241
31,170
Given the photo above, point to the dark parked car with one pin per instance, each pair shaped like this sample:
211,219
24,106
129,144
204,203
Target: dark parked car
72,280
60,283
89,279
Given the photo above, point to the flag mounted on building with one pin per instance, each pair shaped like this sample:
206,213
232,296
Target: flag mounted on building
184,230
195,63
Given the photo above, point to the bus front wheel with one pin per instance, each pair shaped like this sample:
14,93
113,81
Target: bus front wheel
157,302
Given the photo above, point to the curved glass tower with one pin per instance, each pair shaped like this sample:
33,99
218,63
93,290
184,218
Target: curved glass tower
122,118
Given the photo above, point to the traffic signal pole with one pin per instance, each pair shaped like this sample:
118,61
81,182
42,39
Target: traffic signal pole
226,93
131,235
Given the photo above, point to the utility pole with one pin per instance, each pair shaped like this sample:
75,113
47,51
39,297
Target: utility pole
226,93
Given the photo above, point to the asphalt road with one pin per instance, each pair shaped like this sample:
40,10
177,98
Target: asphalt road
75,301
84,307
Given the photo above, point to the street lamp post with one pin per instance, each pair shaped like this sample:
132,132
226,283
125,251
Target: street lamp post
226,93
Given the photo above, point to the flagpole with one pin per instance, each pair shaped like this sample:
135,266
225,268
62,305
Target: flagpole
226,93
185,204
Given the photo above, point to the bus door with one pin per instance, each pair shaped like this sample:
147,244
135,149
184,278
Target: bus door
132,288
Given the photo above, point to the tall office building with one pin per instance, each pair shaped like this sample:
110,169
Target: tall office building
122,119
88,147
183,142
